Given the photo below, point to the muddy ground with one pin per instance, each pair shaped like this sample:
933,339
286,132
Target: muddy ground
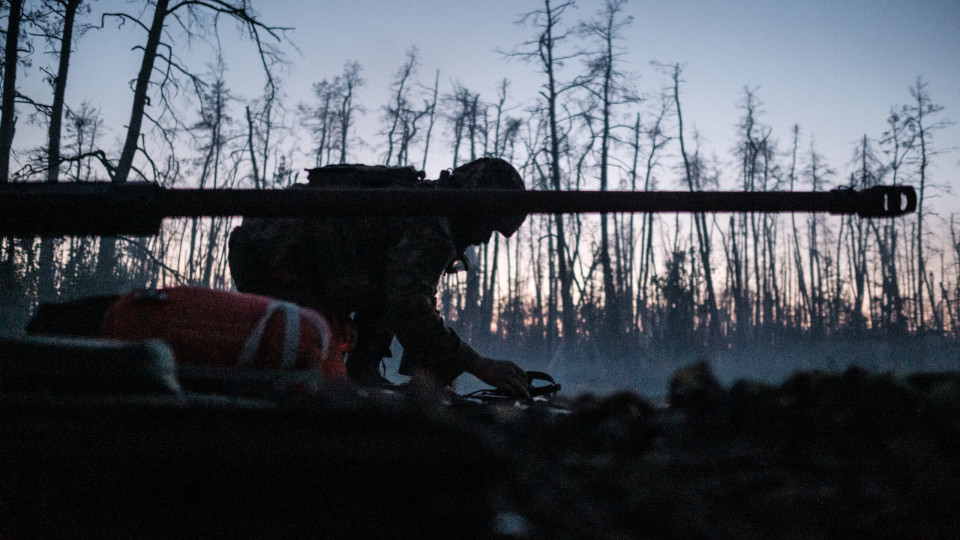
854,455
844,455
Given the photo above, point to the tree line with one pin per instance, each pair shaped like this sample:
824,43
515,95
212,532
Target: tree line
618,280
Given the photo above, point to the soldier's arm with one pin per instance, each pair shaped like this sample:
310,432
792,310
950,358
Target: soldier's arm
414,268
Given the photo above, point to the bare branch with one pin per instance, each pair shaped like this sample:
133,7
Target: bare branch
123,18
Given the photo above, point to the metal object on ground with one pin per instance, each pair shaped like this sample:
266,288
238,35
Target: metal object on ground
138,208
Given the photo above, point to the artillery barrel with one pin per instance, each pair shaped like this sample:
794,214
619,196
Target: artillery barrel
138,208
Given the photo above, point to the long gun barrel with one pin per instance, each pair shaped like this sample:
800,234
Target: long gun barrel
138,208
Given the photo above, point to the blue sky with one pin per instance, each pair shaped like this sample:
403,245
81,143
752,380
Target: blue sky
834,66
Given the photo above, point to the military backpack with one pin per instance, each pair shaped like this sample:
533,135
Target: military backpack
364,176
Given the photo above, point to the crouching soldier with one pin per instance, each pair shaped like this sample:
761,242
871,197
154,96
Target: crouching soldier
384,271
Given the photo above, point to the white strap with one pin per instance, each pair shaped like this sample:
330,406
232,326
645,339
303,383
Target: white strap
311,379
291,341
322,327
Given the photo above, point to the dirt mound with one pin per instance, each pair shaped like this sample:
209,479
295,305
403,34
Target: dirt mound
851,455
855,455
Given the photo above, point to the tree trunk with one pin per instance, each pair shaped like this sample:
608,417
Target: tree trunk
699,219
490,291
433,116
563,272
59,91
469,314
253,153
612,323
46,286
125,163
8,118
921,262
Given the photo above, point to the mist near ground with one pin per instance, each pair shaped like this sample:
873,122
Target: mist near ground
592,367
584,369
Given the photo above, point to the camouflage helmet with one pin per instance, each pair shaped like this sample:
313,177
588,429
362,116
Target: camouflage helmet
490,173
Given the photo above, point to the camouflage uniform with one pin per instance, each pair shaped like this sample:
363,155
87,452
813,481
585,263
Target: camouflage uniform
384,270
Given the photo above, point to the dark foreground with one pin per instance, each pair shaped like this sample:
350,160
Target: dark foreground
854,455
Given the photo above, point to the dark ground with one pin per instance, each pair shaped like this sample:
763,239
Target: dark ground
820,456
848,455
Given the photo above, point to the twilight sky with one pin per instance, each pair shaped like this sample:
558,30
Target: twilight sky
836,67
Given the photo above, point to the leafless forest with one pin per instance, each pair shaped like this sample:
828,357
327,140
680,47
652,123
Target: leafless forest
621,288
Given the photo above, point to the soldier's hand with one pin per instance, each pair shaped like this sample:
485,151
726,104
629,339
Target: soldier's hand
504,375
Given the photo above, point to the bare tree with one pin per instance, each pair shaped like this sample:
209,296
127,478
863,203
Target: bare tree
258,181
189,16
898,143
396,112
350,81
463,115
463,111
7,117
543,49
691,172
921,113
321,121
215,100
506,129
84,126
869,173
818,174
805,306
239,11
952,296
57,28
753,148
332,119
66,33
657,139
432,116
262,124
607,86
